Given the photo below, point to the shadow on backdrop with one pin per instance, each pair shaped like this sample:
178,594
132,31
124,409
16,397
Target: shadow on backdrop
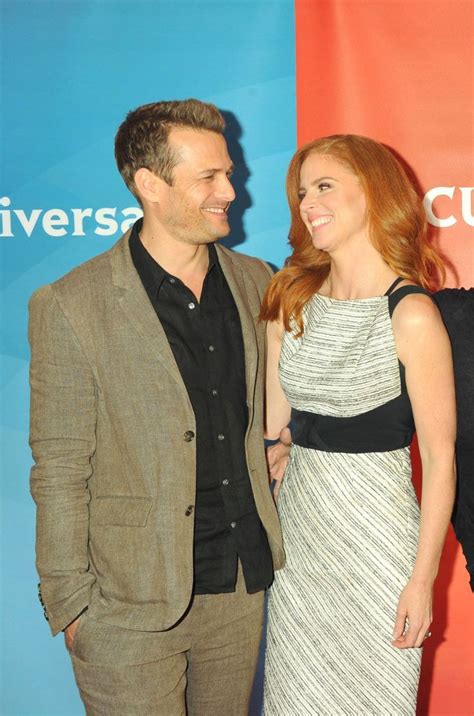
243,200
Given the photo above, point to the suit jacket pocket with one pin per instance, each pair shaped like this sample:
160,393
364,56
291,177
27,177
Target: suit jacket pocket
118,510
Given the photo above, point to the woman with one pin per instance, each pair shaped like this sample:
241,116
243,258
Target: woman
357,356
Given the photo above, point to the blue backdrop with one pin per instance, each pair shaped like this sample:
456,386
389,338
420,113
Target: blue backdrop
71,71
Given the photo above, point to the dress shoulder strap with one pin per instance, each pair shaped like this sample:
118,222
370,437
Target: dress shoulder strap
389,290
395,297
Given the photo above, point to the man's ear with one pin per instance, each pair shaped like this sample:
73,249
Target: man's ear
149,186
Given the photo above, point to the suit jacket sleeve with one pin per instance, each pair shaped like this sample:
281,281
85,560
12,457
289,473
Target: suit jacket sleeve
270,272
62,439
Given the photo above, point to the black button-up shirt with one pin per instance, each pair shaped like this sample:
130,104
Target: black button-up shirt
206,340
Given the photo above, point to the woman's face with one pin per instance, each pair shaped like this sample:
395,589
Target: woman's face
332,203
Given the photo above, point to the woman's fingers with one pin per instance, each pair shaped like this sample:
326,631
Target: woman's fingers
276,489
413,634
399,628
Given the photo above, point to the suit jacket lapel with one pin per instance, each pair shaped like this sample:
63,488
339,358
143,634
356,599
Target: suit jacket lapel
243,290
136,306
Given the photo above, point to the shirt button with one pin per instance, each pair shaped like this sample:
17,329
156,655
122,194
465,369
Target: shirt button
225,482
214,392
189,510
172,280
191,305
188,436
221,436
211,349
233,524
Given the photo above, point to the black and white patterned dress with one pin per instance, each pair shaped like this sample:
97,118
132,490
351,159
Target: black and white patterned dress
349,517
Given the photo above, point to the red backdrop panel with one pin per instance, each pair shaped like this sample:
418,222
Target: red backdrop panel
401,71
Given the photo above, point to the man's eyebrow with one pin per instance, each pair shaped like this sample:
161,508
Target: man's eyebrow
213,170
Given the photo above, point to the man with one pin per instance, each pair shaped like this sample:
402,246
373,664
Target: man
157,534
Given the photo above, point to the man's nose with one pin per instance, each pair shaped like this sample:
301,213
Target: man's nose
225,190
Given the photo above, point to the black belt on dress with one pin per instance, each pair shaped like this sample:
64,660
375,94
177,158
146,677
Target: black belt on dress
387,427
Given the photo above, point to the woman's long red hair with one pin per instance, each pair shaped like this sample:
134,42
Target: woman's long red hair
397,225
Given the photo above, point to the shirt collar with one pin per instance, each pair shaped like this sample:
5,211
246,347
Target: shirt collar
149,270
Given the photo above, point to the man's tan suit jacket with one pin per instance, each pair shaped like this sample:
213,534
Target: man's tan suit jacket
113,438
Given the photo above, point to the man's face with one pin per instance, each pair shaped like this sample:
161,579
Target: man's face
194,209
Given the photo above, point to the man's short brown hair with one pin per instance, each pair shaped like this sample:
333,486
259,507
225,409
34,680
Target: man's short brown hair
142,138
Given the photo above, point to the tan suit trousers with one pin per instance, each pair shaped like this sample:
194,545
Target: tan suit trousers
204,666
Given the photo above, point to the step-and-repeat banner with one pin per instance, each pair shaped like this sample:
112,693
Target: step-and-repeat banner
401,71
396,70
72,70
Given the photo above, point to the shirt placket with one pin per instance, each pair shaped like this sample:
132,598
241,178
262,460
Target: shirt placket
216,373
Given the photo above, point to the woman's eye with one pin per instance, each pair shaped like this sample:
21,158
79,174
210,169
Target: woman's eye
324,185
301,195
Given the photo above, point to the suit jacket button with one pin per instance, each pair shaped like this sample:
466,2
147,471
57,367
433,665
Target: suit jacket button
189,510
188,436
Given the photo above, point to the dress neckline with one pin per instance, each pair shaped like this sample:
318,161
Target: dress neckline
387,293
350,300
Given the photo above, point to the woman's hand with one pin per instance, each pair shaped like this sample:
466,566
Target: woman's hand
277,459
414,615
